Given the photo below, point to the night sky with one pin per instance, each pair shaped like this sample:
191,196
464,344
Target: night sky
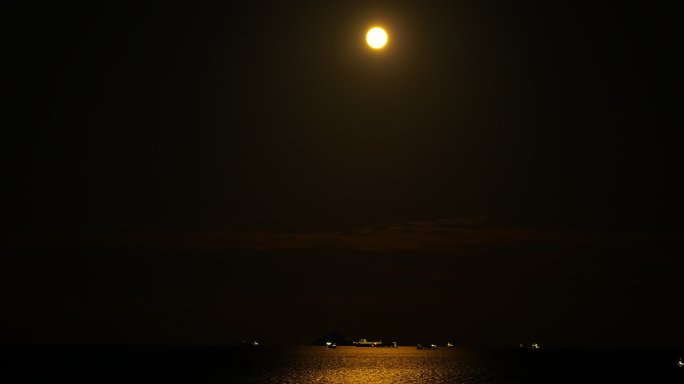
209,173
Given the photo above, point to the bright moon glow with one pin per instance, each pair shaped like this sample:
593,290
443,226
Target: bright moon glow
376,38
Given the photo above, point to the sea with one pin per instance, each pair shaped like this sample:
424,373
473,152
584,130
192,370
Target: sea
263,364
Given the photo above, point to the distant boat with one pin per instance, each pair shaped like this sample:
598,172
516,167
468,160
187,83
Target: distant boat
330,345
680,364
449,345
388,345
431,346
534,346
250,344
364,343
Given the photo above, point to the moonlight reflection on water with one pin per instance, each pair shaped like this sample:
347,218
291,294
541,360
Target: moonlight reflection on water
381,365
406,364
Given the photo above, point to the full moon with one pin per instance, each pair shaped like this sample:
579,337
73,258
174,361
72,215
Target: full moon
376,38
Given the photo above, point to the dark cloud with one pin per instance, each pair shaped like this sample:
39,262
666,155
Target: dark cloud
559,291
450,236
450,280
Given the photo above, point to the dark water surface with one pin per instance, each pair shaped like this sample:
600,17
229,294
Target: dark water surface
30,364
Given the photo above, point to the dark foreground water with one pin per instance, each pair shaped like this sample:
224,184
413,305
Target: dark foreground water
46,364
